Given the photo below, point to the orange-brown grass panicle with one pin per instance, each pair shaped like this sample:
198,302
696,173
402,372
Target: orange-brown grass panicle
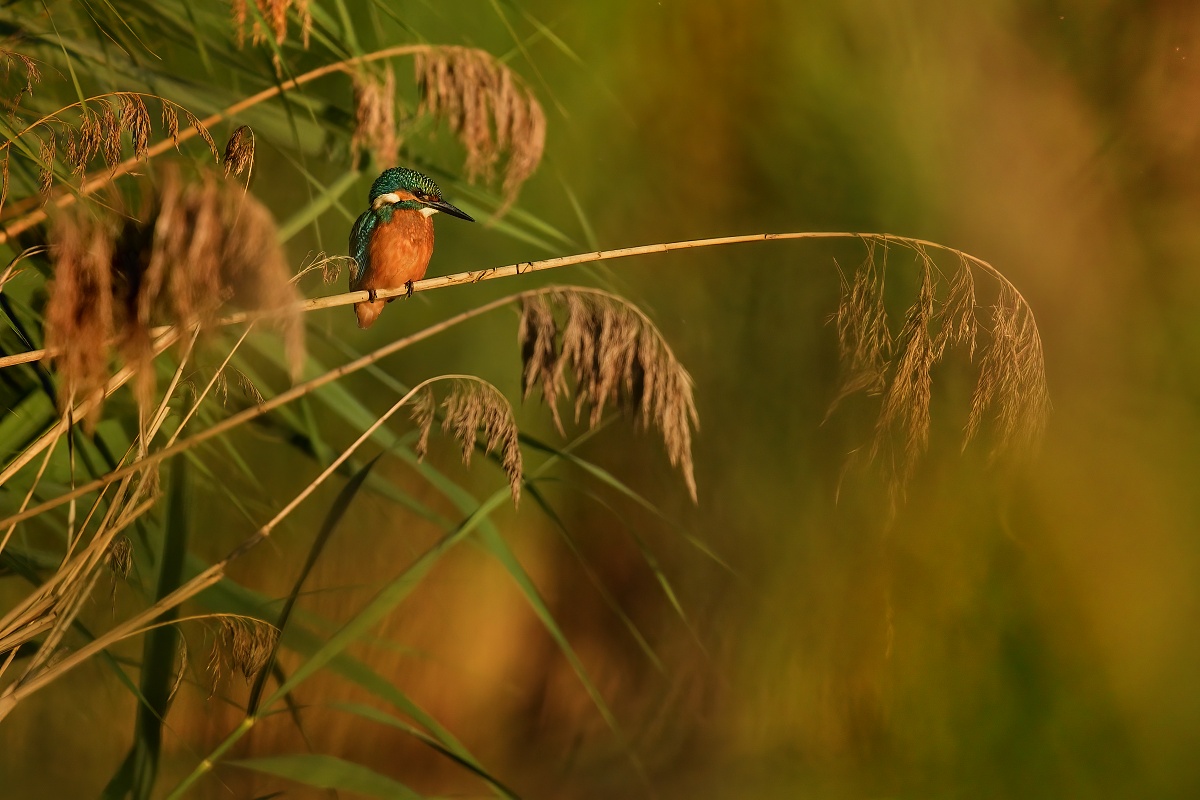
474,407
239,153
243,644
79,314
267,20
489,108
31,72
196,246
375,117
70,139
615,356
1012,379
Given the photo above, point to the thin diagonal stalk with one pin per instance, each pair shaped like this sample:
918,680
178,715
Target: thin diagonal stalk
208,388
80,411
18,691
262,408
29,495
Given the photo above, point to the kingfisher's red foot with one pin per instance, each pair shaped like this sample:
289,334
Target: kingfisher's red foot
408,290
371,295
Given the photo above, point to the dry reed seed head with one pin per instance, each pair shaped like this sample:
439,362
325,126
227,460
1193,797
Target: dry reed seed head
330,266
248,387
1011,384
211,243
170,122
488,108
195,246
375,117
239,151
244,644
79,312
110,133
905,408
616,357
198,126
46,152
32,73
864,339
537,337
3,180
181,659
268,20
422,416
1012,378
91,137
477,406
136,120
120,557
958,323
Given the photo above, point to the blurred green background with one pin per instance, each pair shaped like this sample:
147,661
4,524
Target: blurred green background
1014,631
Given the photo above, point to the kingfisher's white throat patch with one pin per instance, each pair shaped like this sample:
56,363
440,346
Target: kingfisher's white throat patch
428,211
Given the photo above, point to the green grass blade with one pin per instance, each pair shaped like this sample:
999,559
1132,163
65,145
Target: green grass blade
162,644
329,772
338,510
383,718
532,491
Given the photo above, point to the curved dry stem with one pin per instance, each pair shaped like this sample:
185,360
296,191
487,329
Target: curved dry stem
31,682
253,412
491,273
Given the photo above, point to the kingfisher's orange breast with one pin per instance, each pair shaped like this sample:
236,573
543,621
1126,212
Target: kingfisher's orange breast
400,251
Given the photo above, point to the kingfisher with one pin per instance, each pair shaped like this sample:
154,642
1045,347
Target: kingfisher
392,240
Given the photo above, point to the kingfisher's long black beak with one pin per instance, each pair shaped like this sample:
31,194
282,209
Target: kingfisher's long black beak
442,205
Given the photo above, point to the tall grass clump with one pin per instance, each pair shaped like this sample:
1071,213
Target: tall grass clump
159,282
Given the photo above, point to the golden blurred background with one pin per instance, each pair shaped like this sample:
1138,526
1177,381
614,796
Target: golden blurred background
1017,630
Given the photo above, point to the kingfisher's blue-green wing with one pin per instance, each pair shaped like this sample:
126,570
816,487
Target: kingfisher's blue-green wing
360,240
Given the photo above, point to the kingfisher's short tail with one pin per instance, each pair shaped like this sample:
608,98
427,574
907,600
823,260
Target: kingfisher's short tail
368,312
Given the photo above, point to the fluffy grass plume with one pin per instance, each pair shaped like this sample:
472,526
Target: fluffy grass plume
489,109
196,246
616,357
1011,386
471,408
71,139
375,117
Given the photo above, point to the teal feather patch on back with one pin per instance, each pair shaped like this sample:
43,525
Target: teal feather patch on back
360,243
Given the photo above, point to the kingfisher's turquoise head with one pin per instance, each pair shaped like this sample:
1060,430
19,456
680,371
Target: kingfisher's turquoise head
401,188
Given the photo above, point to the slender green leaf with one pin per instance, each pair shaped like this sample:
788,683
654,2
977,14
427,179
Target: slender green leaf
330,772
